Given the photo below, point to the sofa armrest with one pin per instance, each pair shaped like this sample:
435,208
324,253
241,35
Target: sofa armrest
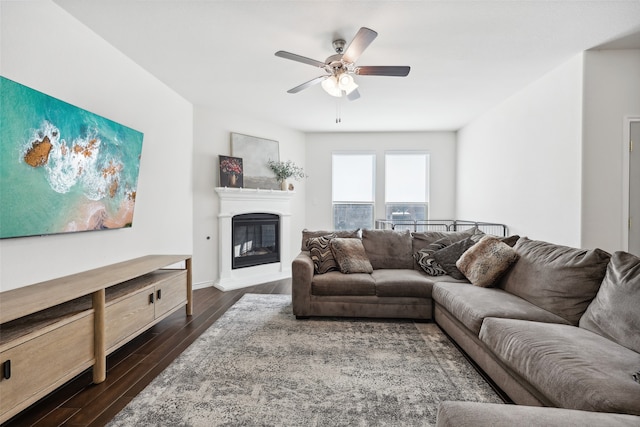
301,277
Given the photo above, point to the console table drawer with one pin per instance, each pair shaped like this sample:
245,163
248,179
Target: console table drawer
127,316
171,293
40,364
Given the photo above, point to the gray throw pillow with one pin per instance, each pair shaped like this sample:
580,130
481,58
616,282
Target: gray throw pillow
422,239
321,255
448,256
486,261
350,256
615,311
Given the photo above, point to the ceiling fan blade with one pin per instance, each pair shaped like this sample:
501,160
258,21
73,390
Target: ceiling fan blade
360,42
303,59
397,71
353,95
307,84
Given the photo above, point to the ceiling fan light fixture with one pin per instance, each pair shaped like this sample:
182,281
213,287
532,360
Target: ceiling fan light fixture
346,83
331,86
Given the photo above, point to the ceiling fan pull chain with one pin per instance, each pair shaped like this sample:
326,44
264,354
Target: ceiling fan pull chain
338,115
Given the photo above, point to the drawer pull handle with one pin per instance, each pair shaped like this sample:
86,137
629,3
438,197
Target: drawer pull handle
150,298
6,370
159,294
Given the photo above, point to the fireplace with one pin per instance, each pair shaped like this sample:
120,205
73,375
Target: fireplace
235,203
255,239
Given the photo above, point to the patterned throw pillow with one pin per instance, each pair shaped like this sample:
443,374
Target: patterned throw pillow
426,261
350,256
321,255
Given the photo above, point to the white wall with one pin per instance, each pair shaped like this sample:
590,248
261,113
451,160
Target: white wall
611,92
43,47
440,145
520,162
212,137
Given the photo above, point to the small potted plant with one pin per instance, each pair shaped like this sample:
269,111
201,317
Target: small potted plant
284,171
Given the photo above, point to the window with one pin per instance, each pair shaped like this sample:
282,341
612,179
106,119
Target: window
353,190
406,188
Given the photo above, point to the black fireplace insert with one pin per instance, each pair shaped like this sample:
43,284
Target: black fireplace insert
256,239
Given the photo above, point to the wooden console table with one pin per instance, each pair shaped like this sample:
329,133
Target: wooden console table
54,330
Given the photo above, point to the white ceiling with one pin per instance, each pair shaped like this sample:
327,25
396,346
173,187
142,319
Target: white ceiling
465,56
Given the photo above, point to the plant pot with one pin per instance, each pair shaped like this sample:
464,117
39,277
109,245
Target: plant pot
283,185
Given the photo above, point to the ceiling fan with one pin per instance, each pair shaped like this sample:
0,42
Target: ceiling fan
341,67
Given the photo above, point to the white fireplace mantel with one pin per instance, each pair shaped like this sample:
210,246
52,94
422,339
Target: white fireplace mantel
237,201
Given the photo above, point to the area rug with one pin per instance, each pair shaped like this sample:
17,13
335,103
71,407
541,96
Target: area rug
258,365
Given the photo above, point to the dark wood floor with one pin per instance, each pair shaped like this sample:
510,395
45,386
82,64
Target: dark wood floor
132,367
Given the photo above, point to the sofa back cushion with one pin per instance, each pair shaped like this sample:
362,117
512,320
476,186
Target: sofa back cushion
615,311
388,248
306,234
560,279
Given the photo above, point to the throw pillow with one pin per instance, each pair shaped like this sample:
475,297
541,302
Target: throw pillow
614,313
426,261
307,234
350,255
448,256
321,255
510,240
422,239
486,261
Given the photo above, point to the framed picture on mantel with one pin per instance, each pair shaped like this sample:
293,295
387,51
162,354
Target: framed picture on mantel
231,172
255,153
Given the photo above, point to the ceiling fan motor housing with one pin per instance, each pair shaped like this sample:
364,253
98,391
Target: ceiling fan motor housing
338,45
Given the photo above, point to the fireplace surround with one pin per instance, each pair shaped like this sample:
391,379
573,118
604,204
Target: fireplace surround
242,204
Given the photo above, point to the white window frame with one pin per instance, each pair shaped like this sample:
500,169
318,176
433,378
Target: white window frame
372,202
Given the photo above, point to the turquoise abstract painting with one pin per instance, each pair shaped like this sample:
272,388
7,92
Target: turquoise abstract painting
62,169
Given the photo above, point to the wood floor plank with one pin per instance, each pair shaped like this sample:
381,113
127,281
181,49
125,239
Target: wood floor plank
133,366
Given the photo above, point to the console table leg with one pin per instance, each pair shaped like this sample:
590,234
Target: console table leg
189,288
100,366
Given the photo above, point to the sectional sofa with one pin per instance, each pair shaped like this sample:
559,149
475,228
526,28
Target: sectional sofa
551,325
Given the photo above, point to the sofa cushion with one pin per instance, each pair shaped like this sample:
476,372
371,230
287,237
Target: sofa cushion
557,278
401,283
321,255
388,248
350,255
335,283
447,257
573,367
486,261
472,414
472,304
615,311
306,234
